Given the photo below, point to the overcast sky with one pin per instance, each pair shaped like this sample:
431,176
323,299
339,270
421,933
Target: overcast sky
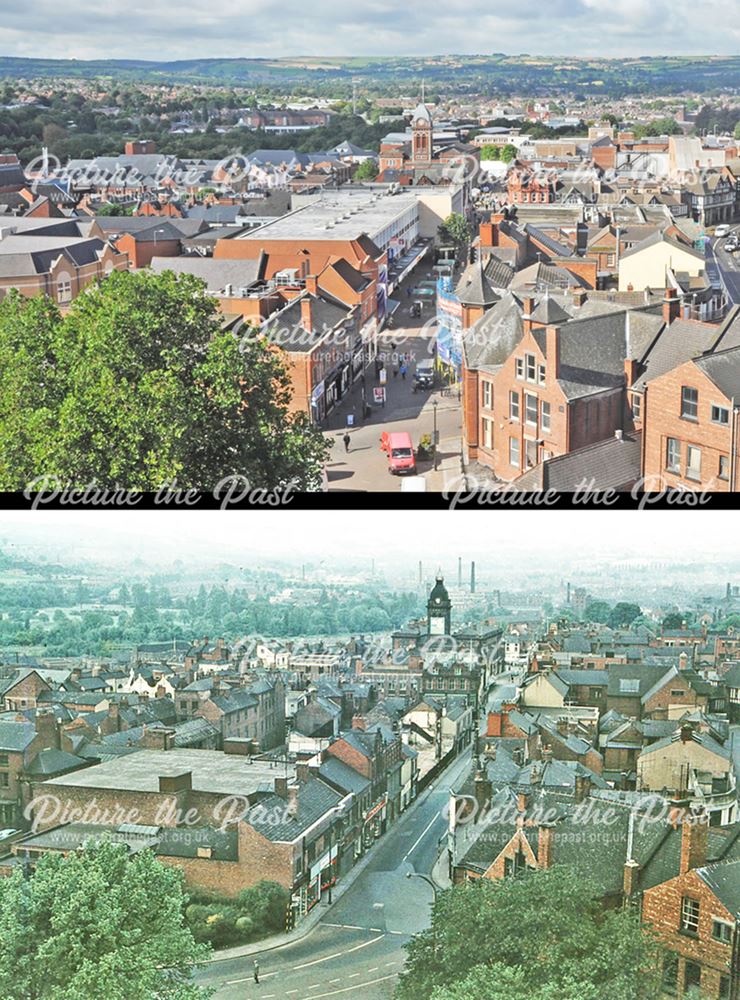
86,29
390,537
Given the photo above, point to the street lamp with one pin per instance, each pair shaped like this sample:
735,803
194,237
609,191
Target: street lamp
434,436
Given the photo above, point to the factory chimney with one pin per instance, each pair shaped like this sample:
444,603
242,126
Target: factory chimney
459,571
472,577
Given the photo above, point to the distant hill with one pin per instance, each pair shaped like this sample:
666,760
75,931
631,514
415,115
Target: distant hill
492,72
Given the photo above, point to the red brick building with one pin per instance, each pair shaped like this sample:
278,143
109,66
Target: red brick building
696,916
692,426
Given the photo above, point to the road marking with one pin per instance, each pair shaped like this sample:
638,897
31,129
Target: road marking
390,963
266,975
354,975
346,989
338,954
331,981
421,836
374,969
288,992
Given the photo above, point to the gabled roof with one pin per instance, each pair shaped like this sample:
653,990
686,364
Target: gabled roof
16,736
724,881
661,237
548,311
724,370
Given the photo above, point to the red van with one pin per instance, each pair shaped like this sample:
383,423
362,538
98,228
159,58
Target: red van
400,451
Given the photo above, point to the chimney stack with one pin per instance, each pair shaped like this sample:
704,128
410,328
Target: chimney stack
293,801
281,787
306,314
483,791
583,787
312,284
671,306
694,831
472,577
544,845
459,571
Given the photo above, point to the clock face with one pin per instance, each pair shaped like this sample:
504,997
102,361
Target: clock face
436,625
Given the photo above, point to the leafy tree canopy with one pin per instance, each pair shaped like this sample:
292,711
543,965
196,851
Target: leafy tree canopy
139,386
540,935
97,923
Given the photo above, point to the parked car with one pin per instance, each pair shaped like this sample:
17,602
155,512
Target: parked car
731,247
722,230
400,451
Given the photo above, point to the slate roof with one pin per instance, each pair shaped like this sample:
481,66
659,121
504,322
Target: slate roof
16,736
315,799
474,287
724,881
234,701
703,739
216,273
724,370
661,237
52,761
342,776
611,464
549,311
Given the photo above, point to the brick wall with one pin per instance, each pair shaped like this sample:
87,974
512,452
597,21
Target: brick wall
662,419
662,911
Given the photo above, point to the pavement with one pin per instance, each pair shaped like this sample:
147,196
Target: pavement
353,947
365,467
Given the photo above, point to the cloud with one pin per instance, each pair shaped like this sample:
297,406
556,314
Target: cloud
85,29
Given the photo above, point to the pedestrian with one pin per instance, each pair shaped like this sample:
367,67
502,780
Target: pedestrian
346,440
408,293
395,371
404,369
256,972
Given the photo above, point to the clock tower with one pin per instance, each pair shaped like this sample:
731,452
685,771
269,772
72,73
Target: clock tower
439,609
421,135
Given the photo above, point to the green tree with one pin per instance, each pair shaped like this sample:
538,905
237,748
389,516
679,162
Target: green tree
366,171
143,387
455,230
97,923
508,153
490,153
597,611
542,935
623,613
674,620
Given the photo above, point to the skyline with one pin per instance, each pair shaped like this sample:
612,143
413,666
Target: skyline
82,30
292,536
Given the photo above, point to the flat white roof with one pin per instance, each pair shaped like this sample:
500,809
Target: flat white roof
212,771
366,212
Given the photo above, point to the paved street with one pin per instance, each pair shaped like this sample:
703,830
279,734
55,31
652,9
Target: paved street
356,950
365,466
727,264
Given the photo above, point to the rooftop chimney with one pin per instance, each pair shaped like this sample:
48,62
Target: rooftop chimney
483,790
544,845
694,829
293,800
306,313
671,306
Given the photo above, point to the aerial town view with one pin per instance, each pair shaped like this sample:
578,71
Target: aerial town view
270,730
398,272
252,766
